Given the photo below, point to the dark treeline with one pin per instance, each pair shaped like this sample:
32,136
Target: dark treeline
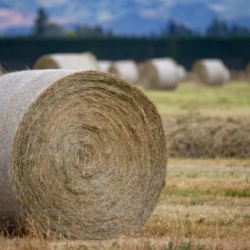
217,27
21,52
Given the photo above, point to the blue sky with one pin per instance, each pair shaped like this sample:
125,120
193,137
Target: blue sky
124,16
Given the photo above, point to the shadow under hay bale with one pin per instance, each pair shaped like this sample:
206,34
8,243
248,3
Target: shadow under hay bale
83,61
198,136
211,72
82,154
159,74
126,69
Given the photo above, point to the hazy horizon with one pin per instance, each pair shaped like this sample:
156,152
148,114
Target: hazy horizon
130,17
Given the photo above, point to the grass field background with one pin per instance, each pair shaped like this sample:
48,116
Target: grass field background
206,202
233,97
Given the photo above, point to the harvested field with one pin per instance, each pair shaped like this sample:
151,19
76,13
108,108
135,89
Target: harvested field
205,205
206,122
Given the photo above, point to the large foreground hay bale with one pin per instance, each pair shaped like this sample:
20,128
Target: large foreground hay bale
212,72
82,154
126,69
104,66
83,61
159,74
197,136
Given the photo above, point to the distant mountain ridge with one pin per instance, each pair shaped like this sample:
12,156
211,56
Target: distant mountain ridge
196,15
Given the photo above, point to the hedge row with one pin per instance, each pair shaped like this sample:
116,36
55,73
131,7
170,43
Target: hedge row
21,52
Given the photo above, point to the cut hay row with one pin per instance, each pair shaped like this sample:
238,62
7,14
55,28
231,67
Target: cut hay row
200,136
83,61
212,72
82,154
159,74
126,69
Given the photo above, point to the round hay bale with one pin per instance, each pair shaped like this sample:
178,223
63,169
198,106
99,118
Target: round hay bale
104,66
159,74
83,154
182,73
126,69
84,61
212,72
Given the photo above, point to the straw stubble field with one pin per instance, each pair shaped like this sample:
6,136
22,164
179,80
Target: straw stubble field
205,203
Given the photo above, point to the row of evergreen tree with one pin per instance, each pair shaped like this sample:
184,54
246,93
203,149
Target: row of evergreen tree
216,28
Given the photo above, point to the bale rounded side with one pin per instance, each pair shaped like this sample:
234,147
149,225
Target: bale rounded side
159,74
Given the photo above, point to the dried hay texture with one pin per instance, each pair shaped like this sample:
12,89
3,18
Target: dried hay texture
83,61
182,73
104,66
212,72
197,136
126,69
159,74
82,153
